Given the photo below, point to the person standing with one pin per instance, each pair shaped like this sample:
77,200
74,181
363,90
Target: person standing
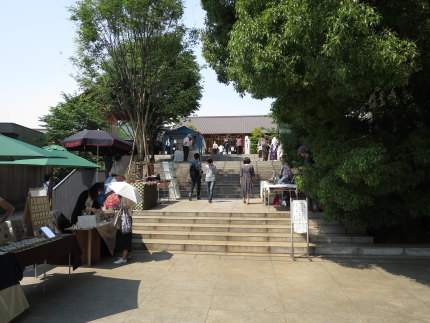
274,149
215,148
195,175
186,147
227,144
265,147
247,177
303,151
221,149
48,185
124,235
260,147
210,171
239,145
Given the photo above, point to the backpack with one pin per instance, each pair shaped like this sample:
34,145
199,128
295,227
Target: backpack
194,171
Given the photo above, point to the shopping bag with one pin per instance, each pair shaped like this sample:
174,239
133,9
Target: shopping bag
276,200
126,222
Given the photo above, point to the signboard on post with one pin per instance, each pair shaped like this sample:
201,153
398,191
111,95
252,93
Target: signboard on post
299,221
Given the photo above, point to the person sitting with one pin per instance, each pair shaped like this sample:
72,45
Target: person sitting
87,202
285,174
9,210
151,167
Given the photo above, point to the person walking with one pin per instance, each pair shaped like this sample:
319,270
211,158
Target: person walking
186,147
247,177
239,145
210,171
196,176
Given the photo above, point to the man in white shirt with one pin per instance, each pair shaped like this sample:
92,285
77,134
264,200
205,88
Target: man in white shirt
186,146
221,149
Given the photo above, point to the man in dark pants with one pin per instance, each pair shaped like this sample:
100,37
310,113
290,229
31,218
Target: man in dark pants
186,147
195,175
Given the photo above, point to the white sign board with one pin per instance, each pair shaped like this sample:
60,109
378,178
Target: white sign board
299,216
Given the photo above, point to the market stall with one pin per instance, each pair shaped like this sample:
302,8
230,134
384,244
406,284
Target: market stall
178,135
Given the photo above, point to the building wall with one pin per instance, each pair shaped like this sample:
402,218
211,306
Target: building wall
15,180
21,133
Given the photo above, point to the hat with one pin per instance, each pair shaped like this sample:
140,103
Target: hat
302,150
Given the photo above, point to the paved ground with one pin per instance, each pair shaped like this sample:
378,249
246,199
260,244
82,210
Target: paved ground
218,205
204,288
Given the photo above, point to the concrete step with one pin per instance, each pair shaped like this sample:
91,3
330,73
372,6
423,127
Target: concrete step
244,219
219,246
213,227
247,236
285,213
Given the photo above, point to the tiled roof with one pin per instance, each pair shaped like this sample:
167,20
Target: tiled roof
229,124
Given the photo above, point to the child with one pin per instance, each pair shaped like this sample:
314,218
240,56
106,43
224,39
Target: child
210,170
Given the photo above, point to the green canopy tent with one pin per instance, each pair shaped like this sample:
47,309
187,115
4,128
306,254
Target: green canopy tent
68,159
12,150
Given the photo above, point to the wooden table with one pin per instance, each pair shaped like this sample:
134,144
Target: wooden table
89,241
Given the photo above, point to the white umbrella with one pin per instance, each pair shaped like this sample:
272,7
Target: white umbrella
126,190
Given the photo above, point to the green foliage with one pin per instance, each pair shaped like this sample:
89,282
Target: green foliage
75,113
137,56
220,17
351,81
255,136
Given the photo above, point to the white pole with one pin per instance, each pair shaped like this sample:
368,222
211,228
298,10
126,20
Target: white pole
291,228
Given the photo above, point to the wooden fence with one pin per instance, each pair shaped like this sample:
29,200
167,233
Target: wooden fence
15,180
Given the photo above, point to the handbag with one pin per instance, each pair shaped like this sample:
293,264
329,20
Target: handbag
276,201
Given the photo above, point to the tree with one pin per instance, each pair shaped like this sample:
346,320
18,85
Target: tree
136,53
73,114
349,77
220,18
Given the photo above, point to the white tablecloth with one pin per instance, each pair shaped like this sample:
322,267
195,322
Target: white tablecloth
266,187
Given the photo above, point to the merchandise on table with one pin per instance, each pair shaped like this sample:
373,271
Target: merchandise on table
25,244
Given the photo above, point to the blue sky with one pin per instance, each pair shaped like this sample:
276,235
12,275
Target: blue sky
35,69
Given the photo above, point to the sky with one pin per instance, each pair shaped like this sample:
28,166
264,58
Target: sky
35,66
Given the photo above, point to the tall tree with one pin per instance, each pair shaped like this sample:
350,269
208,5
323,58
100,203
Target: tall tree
350,77
220,18
135,50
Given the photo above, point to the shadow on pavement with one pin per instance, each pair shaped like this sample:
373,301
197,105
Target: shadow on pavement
417,270
81,298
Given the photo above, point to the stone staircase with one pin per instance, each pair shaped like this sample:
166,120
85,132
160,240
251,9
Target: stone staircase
237,231
227,178
227,226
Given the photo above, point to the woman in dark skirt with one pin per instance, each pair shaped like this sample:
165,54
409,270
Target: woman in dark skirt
124,234
247,176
